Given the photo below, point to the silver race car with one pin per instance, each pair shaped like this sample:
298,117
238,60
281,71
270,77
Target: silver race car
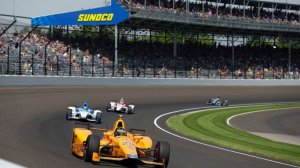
217,101
120,106
84,113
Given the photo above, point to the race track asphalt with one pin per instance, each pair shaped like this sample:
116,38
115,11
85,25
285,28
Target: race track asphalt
278,125
34,132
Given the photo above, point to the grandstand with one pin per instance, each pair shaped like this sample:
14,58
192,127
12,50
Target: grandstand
199,39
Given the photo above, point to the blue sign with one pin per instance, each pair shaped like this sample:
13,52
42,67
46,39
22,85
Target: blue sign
109,15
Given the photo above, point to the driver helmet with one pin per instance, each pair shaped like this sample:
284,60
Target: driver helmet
122,101
85,105
120,132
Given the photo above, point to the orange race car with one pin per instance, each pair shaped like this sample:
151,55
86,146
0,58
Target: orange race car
118,144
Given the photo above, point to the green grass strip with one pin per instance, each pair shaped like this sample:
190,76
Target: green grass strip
210,126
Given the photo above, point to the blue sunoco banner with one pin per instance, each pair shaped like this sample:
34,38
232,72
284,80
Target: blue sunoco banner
108,15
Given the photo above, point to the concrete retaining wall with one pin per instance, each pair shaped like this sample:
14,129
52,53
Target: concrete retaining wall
52,80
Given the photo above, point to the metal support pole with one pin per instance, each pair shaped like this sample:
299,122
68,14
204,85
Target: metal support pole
81,66
232,46
263,69
245,72
122,67
227,44
68,32
197,70
203,7
32,70
7,68
103,69
273,11
187,6
70,61
8,27
20,49
116,50
165,69
159,4
93,65
133,66
230,8
217,12
45,57
130,6
258,11
154,68
299,15
150,37
57,64
144,67
175,50
244,9
173,4
290,50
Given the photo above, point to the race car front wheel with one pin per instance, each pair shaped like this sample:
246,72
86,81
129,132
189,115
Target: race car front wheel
162,153
130,110
98,118
108,107
92,145
69,114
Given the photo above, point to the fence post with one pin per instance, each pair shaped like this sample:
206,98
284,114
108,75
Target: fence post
57,64
7,68
103,73
93,66
70,62
32,67
81,68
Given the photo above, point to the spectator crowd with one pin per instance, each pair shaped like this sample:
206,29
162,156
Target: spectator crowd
193,58
195,8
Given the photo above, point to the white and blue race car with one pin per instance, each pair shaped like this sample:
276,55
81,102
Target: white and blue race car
217,101
84,113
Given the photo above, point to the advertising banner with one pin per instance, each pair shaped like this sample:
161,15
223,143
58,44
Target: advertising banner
108,15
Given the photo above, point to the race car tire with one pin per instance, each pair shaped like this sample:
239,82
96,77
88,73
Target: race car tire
92,145
224,104
130,110
98,118
208,101
69,114
108,107
123,110
162,153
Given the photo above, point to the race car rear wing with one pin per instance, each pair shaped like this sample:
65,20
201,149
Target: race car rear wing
89,126
137,132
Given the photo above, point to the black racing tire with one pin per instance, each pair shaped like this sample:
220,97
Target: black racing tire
98,118
92,145
225,103
68,114
208,101
162,153
130,110
108,107
123,110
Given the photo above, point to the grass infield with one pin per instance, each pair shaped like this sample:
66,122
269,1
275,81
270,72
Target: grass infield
210,126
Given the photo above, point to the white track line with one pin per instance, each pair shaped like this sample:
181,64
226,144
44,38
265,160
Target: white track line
216,147
8,164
